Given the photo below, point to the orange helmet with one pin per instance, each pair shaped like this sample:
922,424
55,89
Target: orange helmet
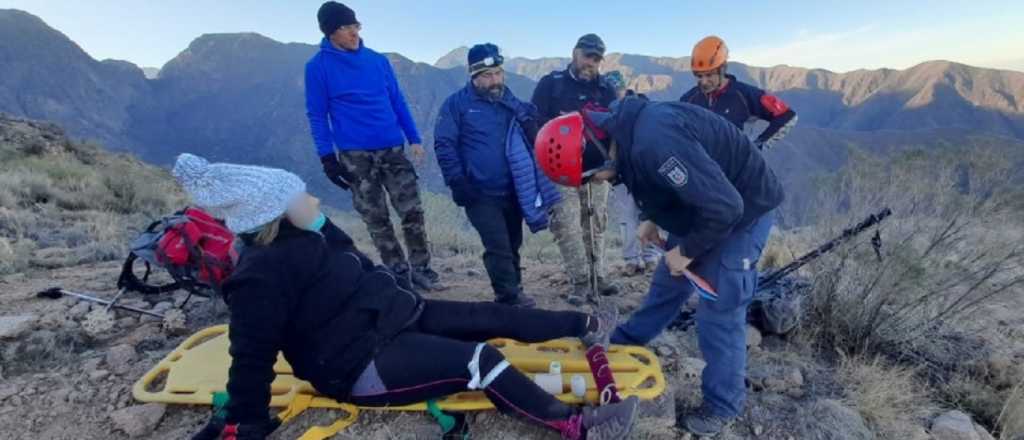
559,149
710,53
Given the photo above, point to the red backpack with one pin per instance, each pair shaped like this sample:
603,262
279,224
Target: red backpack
196,249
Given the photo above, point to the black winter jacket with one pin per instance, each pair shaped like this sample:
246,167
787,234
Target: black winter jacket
317,299
560,92
691,172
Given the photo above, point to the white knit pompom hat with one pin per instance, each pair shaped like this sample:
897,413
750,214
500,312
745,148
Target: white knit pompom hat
245,196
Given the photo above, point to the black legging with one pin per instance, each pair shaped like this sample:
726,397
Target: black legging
430,360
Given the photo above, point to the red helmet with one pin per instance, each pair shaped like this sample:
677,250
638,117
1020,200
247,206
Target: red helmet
559,149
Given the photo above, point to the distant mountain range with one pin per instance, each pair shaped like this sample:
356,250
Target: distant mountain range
239,97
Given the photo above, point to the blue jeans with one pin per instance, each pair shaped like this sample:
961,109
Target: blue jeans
731,268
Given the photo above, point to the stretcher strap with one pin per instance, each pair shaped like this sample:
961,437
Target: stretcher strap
475,383
302,402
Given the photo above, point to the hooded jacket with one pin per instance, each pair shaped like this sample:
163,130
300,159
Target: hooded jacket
691,172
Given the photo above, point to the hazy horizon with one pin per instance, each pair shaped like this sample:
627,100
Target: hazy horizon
866,35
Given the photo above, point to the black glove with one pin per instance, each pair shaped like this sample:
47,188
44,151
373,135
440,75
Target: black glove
336,172
464,193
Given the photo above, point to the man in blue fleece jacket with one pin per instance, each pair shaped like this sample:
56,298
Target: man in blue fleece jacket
360,123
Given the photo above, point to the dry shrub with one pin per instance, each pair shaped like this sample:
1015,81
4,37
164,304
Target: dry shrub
778,251
940,262
951,249
1011,418
139,188
14,255
890,398
75,204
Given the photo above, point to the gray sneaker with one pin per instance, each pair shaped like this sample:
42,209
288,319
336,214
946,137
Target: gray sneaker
702,423
613,421
607,315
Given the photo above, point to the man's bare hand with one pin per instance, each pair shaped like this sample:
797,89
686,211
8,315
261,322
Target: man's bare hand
647,232
677,262
418,153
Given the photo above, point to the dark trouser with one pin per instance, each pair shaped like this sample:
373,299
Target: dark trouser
499,221
430,359
721,324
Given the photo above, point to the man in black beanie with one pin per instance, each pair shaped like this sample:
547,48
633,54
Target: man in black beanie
360,137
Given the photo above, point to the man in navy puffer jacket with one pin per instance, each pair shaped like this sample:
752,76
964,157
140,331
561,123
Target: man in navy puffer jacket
483,139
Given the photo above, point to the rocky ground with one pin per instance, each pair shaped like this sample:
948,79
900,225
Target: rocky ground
68,367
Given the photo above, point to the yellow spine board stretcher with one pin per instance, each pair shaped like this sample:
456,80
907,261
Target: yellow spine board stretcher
198,368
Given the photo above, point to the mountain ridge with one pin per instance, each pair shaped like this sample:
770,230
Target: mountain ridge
239,97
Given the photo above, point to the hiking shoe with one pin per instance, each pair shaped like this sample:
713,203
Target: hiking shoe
613,421
520,300
703,423
425,278
633,268
607,316
607,288
579,295
403,276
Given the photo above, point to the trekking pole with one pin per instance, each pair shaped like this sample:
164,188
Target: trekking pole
591,253
847,234
57,292
116,297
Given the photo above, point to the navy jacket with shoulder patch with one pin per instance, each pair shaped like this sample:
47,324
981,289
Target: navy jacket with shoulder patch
691,172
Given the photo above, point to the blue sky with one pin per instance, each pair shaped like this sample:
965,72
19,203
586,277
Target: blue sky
839,36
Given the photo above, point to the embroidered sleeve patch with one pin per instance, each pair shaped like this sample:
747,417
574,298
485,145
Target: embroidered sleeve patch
675,172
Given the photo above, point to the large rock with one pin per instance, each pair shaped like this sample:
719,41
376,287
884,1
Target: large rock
954,425
12,327
691,368
753,337
138,421
120,358
828,419
775,378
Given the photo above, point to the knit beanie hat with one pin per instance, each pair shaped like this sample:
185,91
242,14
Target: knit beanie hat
333,15
482,57
245,196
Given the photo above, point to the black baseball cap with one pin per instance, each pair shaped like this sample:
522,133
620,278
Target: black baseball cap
591,44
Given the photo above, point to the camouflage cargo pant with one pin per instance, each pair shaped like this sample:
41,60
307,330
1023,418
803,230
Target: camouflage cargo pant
572,232
383,174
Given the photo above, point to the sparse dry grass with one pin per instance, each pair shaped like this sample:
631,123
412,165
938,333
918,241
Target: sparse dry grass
948,253
1011,418
65,203
448,230
891,398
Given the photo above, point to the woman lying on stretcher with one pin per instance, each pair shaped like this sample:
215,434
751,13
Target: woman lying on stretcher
353,330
